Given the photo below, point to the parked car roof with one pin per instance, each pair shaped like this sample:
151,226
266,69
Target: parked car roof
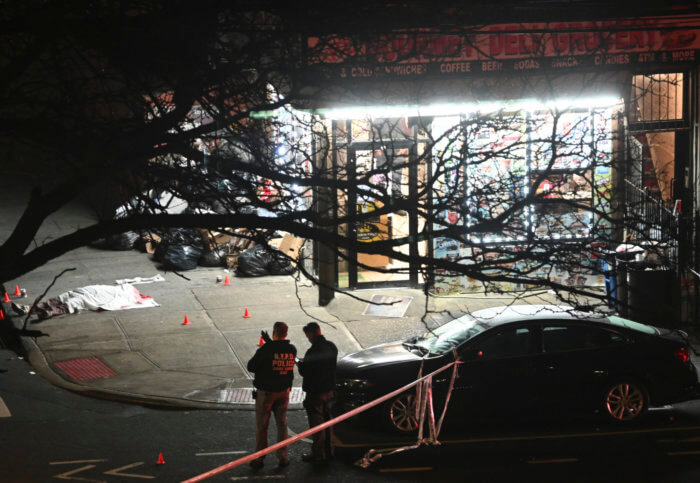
514,313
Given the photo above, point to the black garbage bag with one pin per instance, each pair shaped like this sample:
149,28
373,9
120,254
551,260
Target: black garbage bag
182,257
122,241
180,249
183,236
215,257
280,265
259,261
253,262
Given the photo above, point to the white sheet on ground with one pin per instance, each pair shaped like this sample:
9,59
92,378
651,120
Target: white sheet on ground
134,281
106,297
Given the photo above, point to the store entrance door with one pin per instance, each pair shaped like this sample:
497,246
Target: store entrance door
395,171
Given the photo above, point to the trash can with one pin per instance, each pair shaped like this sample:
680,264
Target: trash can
649,294
622,262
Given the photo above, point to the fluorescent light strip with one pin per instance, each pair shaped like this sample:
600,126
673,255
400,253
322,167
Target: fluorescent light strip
369,112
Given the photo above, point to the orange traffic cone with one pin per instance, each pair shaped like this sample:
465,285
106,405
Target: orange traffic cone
161,460
246,314
187,320
17,290
261,341
2,315
227,281
7,298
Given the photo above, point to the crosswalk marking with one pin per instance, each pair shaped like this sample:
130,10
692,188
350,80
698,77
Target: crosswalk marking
4,411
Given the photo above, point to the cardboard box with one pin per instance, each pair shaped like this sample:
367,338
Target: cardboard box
232,260
240,243
291,246
275,242
214,239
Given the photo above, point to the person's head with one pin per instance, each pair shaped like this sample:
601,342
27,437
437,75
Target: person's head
279,331
311,330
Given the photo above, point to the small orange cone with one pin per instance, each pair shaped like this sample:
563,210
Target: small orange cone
227,281
17,290
2,315
7,298
161,460
187,320
246,314
261,341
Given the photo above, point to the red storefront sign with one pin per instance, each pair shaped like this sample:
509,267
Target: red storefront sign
510,48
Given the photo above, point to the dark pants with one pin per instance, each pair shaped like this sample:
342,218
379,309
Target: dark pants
267,403
318,409
50,308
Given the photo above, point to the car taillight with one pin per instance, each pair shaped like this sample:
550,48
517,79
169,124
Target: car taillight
682,355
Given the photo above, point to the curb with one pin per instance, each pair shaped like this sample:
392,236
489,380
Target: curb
35,357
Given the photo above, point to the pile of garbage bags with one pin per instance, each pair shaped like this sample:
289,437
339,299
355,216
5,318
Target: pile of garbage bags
185,248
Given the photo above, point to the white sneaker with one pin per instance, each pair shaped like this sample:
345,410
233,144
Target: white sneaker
21,309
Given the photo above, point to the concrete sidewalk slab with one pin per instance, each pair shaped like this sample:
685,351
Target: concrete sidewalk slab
182,353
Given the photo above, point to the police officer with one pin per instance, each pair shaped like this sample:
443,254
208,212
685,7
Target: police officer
273,365
318,370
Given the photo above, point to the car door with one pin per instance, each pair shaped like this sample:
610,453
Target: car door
574,363
497,371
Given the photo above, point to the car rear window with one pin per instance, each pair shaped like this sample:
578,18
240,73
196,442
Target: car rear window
631,324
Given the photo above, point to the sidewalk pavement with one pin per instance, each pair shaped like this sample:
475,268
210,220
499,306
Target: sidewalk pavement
148,356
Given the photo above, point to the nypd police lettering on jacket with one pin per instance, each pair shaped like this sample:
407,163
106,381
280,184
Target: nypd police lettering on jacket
273,366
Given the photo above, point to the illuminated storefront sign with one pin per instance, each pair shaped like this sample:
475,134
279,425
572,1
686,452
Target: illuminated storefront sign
509,48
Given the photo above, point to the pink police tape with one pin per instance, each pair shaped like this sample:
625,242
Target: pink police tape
315,429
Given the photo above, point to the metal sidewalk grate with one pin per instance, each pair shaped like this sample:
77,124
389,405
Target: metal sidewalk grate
245,396
85,369
387,306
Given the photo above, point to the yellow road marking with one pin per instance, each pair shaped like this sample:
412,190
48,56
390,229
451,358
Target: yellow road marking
117,471
74,462
4,411
68,475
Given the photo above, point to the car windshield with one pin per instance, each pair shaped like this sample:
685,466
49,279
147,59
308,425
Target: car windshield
450,335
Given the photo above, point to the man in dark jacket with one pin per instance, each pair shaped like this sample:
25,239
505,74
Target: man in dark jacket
273,365
318,370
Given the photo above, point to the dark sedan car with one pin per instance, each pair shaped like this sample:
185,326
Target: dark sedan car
532,358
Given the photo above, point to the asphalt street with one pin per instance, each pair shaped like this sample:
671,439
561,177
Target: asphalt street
49,433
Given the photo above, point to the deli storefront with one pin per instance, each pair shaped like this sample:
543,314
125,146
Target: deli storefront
551,118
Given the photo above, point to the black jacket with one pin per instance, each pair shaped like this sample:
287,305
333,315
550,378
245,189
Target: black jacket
318,366
273,365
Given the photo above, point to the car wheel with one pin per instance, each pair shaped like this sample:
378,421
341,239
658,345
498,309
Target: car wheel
402,413
625,401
